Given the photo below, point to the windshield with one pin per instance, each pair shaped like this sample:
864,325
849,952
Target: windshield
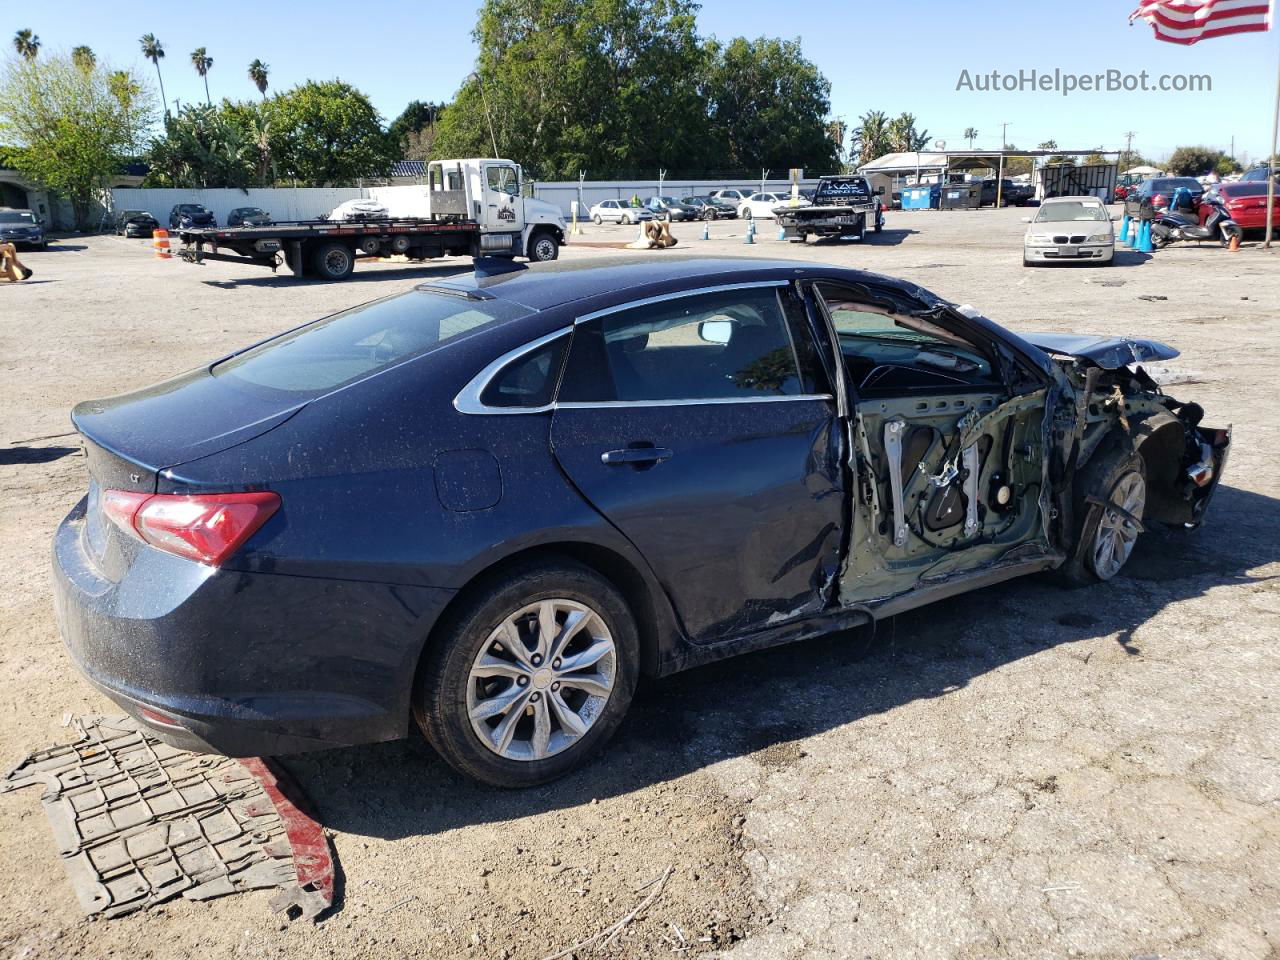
16,216
357,343
1071,210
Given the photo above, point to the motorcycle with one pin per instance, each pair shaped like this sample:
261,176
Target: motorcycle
1173,225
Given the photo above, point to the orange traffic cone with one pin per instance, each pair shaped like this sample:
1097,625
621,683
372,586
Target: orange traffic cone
160,241
1234,245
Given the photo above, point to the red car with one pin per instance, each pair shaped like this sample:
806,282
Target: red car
1246,201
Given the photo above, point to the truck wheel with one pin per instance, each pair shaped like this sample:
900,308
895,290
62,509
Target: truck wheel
543,247
529,679
333,261
400,244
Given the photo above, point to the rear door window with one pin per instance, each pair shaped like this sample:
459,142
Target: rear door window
715,346
349,346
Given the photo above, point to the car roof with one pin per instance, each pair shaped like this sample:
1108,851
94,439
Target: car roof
1080,199
624,276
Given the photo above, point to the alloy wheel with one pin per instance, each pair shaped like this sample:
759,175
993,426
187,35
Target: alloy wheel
1116,534
541,680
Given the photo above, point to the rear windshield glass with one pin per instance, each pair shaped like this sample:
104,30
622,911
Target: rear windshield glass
853,187
349,346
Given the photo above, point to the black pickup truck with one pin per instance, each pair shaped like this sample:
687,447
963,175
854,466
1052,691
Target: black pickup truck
1011,194
841,207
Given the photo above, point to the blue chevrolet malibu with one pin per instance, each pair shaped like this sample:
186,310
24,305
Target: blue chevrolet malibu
492,503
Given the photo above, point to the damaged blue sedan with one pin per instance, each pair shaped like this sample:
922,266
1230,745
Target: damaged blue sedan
489,505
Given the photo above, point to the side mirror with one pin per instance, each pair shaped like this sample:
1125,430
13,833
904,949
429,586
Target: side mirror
716,331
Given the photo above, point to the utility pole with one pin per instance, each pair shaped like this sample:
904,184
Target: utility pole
1004,139
1128,145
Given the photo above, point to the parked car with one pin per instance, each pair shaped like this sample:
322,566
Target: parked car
1160,190
760,206
732,196
358,210
669,208
191,215
22,228
1069,229
619,211
1246,203
248,217
1011,194
491,502
136,223
1257,173
711,208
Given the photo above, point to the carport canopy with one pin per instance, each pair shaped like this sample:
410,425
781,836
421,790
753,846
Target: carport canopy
900,164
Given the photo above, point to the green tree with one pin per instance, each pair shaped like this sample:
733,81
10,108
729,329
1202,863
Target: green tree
1198,161
204,146
971,134
414,130
903,136
153,50
258,74
76,126
871,138
83,57
328,133
27,44
203,63
770,106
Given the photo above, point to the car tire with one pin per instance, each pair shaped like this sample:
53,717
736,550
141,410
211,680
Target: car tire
459,711
333,261
1116,474
626,220
746,213
713,214
543,247
599,220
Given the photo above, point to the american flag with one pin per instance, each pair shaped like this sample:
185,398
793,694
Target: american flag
1186,21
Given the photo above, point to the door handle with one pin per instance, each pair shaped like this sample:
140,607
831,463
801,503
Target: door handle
636,455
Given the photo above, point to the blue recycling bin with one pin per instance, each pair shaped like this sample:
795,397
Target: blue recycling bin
923,196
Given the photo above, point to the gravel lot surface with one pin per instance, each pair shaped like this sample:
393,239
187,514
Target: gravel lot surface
1022,772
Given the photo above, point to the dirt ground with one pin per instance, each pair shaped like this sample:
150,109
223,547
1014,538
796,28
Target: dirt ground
1024,772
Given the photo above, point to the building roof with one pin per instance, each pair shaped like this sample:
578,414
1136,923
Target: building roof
409,168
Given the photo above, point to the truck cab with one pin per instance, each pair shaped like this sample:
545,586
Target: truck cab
491,193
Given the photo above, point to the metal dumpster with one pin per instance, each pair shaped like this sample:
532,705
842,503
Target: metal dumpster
961,196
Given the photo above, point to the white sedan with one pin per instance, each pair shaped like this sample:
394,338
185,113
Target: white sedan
618,211
759,206
1074,229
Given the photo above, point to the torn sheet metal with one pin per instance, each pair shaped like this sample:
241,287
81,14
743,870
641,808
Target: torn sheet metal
138,822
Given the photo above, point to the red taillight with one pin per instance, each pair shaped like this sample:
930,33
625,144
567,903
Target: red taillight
207,528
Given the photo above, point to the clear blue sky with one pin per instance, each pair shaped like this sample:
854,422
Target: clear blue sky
877,56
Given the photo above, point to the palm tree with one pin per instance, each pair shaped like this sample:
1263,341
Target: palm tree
84,58
153,50
258,74
201,60
971,134
871,139
27,44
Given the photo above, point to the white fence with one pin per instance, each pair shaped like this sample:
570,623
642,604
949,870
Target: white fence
308,203
283,203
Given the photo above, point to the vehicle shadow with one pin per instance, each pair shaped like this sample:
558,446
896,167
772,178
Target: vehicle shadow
61,246
760,704
361,275
15,455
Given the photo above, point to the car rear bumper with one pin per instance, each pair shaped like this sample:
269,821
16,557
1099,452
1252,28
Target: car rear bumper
242,664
